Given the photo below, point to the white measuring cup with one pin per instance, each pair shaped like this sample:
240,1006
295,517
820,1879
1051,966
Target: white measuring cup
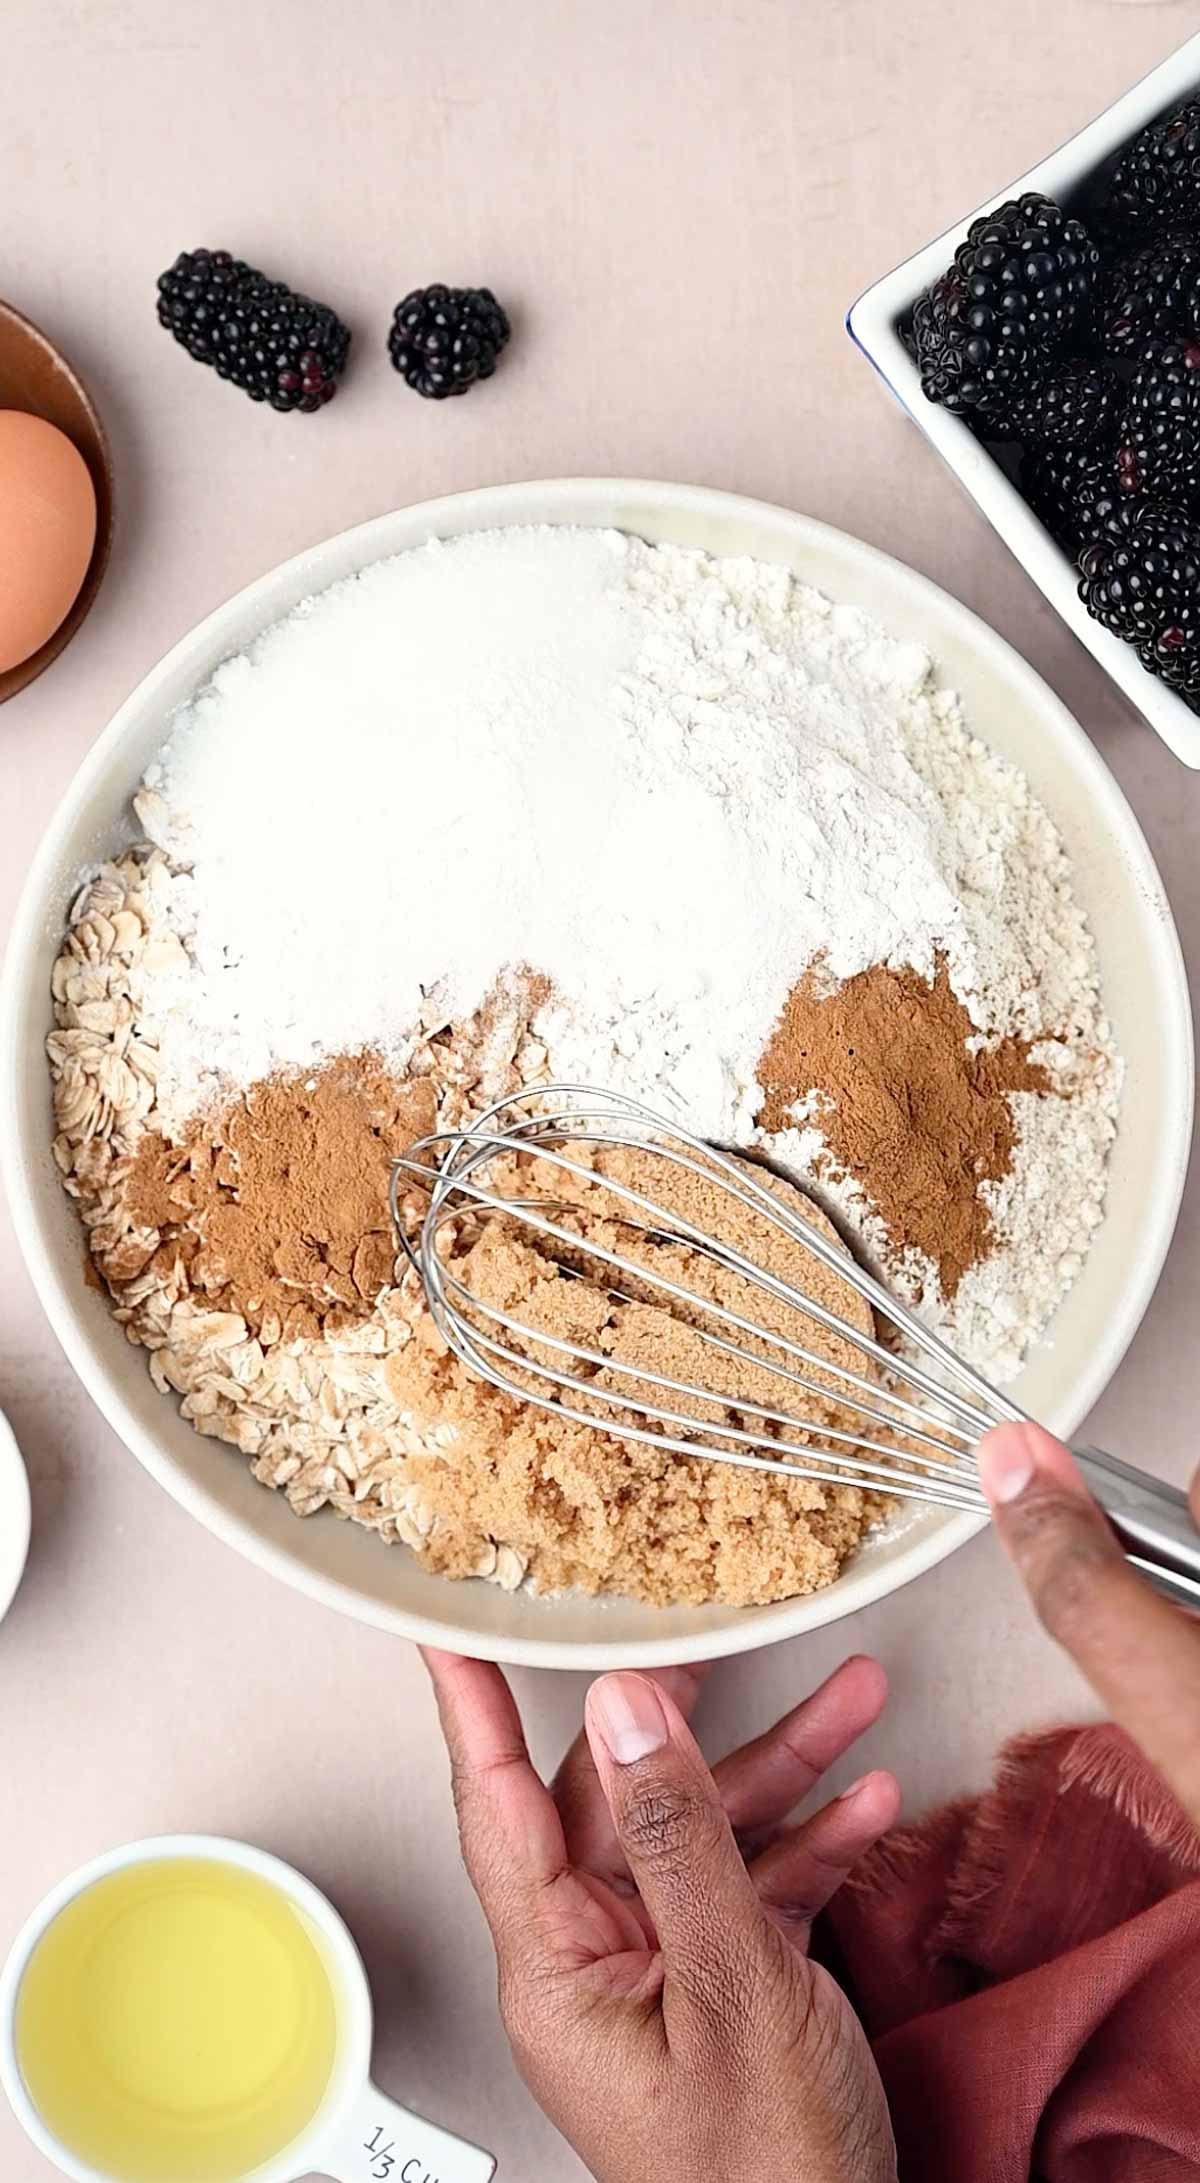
358,2134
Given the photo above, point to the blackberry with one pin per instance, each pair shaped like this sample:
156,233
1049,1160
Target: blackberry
1079,405
277,346
1151,295
1143,583
935,336
1022,282
1159,449
1157,178
444,339
1073,491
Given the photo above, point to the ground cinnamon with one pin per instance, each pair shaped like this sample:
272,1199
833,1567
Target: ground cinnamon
907,1106
279,1203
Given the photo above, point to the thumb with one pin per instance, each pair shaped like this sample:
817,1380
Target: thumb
1063,1548
1140,1655
676,1836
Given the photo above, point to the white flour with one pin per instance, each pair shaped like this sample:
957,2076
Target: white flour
665,782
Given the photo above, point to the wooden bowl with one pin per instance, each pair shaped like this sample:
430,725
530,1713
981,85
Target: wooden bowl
36,377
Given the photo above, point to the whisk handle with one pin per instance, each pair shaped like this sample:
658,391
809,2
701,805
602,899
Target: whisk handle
1152,1521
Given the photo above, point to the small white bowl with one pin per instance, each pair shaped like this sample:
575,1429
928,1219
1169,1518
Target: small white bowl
1145,991
873,323
14,1516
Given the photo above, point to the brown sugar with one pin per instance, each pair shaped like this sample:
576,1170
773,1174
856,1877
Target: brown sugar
586,1509
910,1104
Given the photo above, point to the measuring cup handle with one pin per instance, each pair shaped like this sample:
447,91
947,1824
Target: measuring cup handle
378,2141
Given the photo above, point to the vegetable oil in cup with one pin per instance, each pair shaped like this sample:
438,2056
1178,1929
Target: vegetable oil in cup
178,2019
192,2010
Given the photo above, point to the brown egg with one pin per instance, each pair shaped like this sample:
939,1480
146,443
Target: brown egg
47,531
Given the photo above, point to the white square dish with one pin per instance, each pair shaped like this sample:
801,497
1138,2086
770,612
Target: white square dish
873,323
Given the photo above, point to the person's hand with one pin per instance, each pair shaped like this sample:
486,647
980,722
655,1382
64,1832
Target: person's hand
651,1923
1140,1654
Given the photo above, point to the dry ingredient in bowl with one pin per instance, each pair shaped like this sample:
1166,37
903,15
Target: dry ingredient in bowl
557,803
907,1101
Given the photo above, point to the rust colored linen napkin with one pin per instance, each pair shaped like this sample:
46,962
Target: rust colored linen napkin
1027,1964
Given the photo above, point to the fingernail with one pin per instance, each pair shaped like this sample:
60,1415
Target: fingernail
628,1714
1006,1465
844,1796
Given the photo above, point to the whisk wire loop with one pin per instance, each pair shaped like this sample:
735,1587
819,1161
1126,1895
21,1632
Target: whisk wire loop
524,1364
930,1419
523,1211
534,1130
929,1405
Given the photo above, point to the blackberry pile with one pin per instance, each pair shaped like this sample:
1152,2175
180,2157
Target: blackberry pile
1073,343
281,347
1142,580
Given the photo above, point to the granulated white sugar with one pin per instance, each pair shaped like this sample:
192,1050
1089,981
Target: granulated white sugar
666,782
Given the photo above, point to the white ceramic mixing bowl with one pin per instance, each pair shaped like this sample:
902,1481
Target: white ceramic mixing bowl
15,1515
1144,987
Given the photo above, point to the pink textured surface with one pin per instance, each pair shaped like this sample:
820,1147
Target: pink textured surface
677,202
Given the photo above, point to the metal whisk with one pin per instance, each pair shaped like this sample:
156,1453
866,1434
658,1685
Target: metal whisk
903,1418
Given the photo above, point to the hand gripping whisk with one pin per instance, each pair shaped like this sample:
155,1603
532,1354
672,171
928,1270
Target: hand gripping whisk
775,1379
